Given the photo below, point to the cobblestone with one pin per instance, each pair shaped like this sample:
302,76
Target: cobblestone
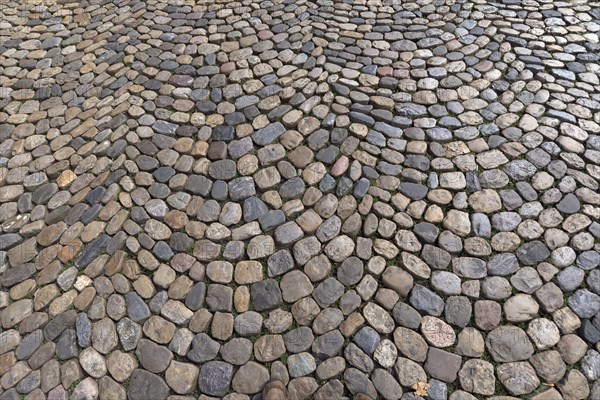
362,199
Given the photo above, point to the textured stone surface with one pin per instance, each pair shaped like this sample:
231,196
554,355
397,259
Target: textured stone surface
386,199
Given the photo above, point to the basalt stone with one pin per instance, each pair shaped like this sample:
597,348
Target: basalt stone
203,348
268,134
533,253
458,311
137,309
223,133
241,188
584,303
146,385
414,191
18,274
367,339
569,204
435,257
327,184
198,184
426,231
83,327
59,324
29,345
328,345
265,295
222,169
328,292
66,347
292,189
195,297
91,251
426,301
254,208
42,194
361,188
299,339
164,127
442,365
280,262
588,332
269,220
215,378
502,264
9,240
152,357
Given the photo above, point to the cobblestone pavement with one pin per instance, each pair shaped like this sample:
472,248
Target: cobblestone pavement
398,199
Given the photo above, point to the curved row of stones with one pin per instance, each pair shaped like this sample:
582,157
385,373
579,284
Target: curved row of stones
392,200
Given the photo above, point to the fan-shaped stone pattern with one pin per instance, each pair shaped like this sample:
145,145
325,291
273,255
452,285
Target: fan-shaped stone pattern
355,198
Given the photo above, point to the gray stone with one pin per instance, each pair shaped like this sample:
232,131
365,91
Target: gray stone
129,334
271,219
280,262
584,303
145,385
509,344
152,357
569,204
137,310
203,348
328,292
414,191
91,251
327,345
426,301
469,267
241,188
406,316
367,339
292,189
533,253
502,264
215,378
254,208
358,382
386,385
458,311
518,377
570,278
268,134
265,295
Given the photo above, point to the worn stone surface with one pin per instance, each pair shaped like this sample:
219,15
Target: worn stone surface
353,197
